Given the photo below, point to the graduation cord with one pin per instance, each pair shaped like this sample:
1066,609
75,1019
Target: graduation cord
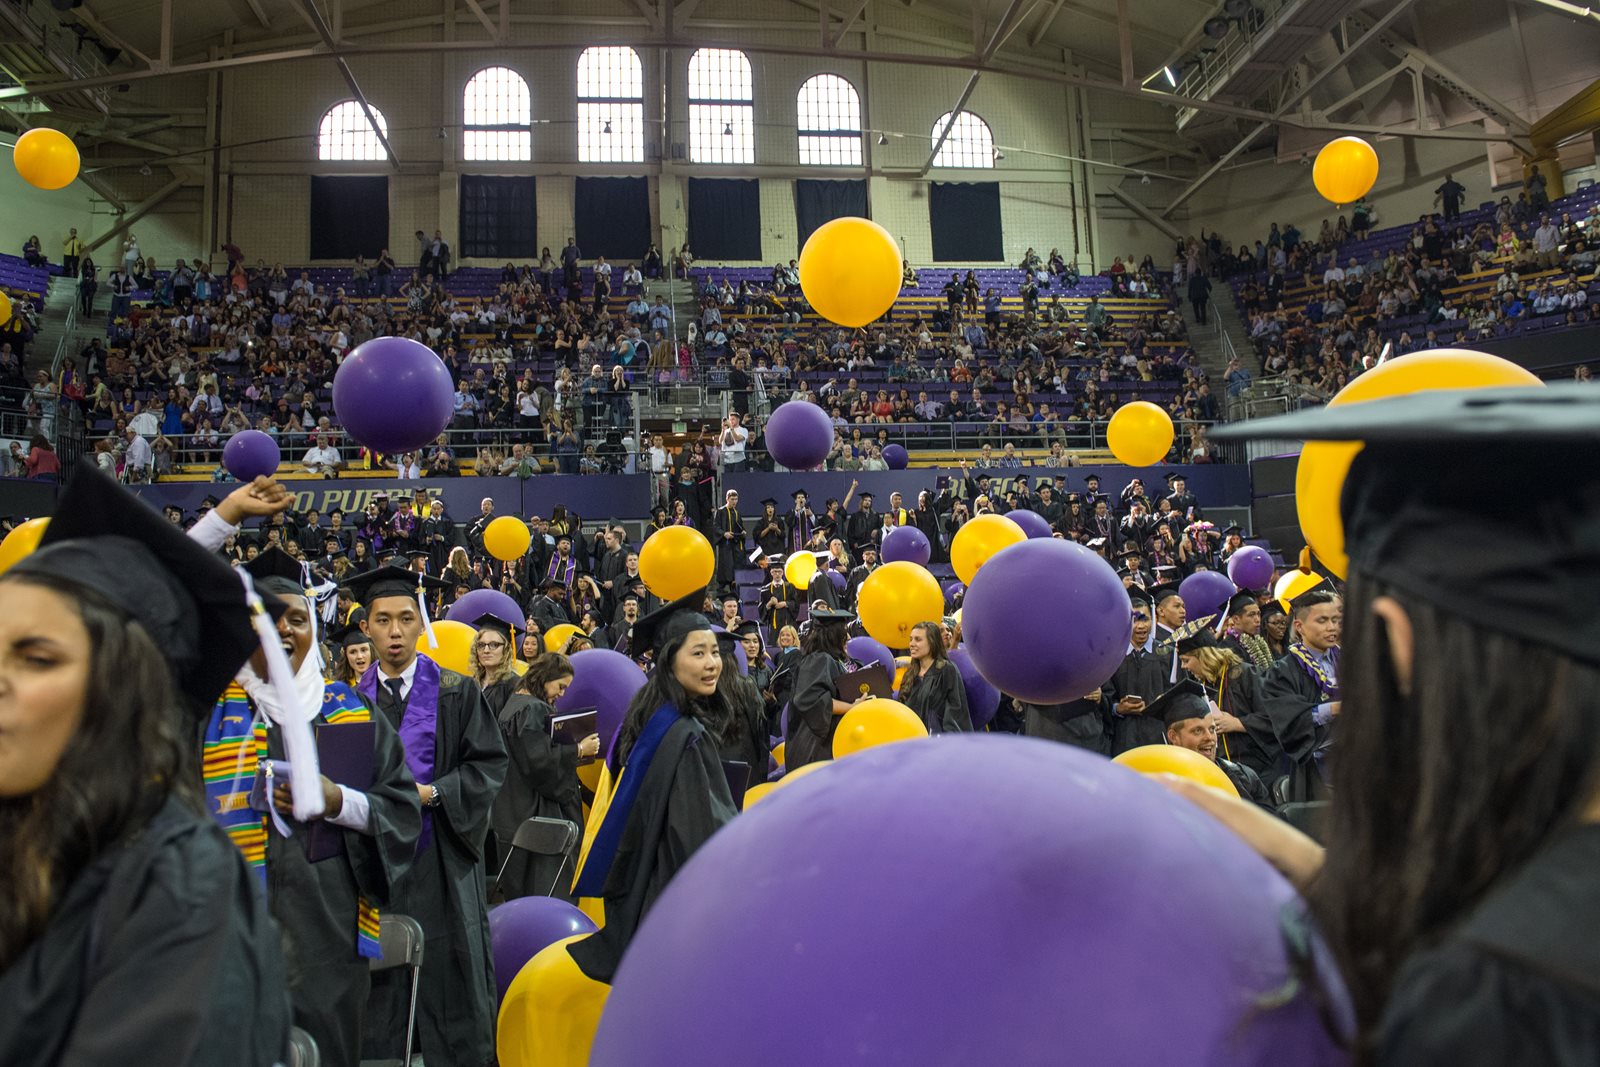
1222,689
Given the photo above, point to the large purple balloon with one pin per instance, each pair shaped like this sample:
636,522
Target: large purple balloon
520,929
869,650
250,454
1251,568
799,435
983,699
1046,621
480,602
953,591
1205,593
605,680
1033,524
1087,878
895,458
906,543
393,394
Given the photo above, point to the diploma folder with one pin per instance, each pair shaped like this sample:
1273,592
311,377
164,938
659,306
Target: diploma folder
868,681
574,726
344,753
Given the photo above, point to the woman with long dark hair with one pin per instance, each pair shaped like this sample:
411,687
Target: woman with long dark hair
932,685
814,704
744,740
355,651
1460,884
1275,629
670,792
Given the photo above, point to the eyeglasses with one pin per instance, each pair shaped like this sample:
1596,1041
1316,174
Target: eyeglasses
492,646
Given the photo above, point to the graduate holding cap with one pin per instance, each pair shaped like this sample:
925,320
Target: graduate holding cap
131,930
668,792
454,751
1460,884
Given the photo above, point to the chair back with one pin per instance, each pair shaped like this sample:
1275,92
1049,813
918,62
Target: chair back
401,941
303,1049
546,837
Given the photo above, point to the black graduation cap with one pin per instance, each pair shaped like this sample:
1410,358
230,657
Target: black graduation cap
552,583
192,603
1239,602
496,624
1171,476
864,496
1480,502
653,632
209,502
768,501
1195,635
799,493
831,615
746,629
1271,608
389,581
1091,478
1186,700
275,571
1133,553
1161,593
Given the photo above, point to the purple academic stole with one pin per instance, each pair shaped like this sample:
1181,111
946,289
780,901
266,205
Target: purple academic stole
567,573
1328,687
802,533
418,726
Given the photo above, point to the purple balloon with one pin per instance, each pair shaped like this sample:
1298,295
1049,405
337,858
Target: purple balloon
1035,978
983,699
799,435
606,680
1046,621
1033,524
1205,593
1251,568
520,929
250,454
480,602
838,579
953,591
895,458
906,543
869,650
392,394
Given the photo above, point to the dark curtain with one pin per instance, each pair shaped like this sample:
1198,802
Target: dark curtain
612,218
816,202
497,217
725,218
965,220
349,217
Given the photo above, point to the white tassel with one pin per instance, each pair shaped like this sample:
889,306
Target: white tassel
299,744
422,606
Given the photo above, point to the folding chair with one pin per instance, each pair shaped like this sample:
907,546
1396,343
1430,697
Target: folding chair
1308,817
543,837
401,941
302,1049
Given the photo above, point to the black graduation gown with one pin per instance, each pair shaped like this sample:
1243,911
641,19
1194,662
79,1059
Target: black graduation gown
940,700
1289,696
445,892
1143,674
1518,982
316,903
747,740
1256,748
785,669
927,520
861,528
771,535
683,800
495,694
159,952
1248,783
811,718
541,782
728,540
549,612
1078,722
788,598
853,584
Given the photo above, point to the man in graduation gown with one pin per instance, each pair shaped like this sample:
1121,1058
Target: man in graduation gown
609,569
327,881
1187,716
862,526
563,567
1079,722
779,601
1242,632
454,749
549,608
800,523
1301,691
1170,612
619,635
729,541
1183,501
859,574
437,536
1142,675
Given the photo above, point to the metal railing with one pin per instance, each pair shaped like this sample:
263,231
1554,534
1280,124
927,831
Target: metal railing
1212,69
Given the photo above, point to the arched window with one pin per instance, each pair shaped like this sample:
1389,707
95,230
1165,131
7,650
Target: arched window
497,117
610,105
830,122
721,107
970,143
345,133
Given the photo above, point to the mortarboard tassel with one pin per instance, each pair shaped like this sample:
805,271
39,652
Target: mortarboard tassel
422,606
305,773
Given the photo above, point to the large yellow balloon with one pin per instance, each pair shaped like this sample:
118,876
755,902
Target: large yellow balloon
1139,434
1345,170
5,308
676,561
777,753
850,271
875,722
896,597
974,543
762,790
1175,759
557,636
900,665
507,538
1292,584
550,1013
21,542
1319,478
455,645
46,159
800,568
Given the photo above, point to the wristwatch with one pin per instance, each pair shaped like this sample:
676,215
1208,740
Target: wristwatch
434,797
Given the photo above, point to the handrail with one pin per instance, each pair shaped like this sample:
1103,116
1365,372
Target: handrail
69,326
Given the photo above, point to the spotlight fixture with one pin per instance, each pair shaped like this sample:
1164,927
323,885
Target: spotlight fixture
1217,28
607,127
883,138
1144,179
1172,76
998,155
727,129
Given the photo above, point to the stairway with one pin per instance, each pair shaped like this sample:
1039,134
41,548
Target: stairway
1206,340
59,303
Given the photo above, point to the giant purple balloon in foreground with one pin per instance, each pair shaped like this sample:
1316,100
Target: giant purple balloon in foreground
1046,621
1080,913
392,394
799,435
604,680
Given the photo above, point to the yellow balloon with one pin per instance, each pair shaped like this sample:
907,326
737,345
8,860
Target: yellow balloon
875,722
896,597
1139,434
557,636
1175,759
1292,585
800,568
520,668
900,665
762,790
507,538
850,271
676,561
1345,170
756,793
550,1013
1319,478
972,546
455,645
21,542
777,753
46,159
5,308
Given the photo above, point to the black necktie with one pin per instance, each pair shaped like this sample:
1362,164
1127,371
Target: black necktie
392,700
